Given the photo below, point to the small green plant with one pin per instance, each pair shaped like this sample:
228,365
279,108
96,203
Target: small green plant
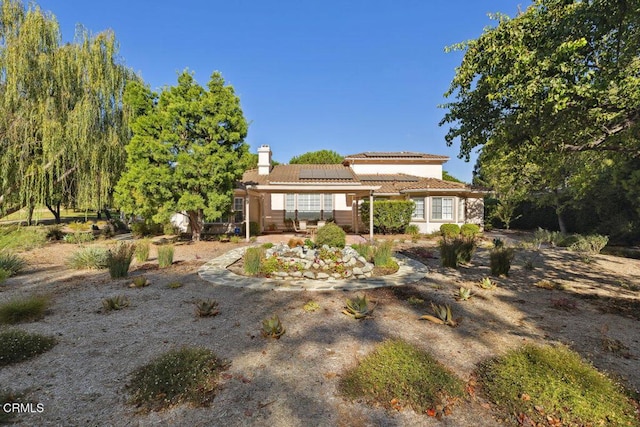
11,263
309,243
463,294
253,260
235,239
186,375
442,316
382,254
470,230
206,308
487,284
267,245
4,275
415,300
358,308
365,250
54,233
174,285
78,238
142,250
413,230
331,235
311,306
119,260
115,303
139,282
22,310
397,374
500,261
272,327
269,265
558,380
165,255
449,231
454,252
17,346
588,246
90,257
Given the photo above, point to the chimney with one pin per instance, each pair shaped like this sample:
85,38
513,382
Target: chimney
264,160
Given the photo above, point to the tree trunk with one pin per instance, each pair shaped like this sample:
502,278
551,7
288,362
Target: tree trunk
30,210
196,222
561,224
55,210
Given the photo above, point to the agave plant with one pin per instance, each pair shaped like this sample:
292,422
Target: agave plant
272,327
463,294
139,282
115,303
358,308
487,284
442,316
207,308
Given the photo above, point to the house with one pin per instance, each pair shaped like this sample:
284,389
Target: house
273,196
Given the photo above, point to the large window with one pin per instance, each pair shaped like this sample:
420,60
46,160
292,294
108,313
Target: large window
308,206
238,209
442,208
418,210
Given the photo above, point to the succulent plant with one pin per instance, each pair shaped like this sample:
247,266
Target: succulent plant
487,283
115,303
272,327
139,282
311,306
463,294
442,316
174,285
207,308
358,308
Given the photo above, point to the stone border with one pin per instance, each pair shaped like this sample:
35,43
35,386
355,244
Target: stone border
216,272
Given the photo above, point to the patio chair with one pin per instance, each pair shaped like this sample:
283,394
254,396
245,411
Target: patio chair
301,228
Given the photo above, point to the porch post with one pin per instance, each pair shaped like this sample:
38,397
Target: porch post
247,230
356,217
371,216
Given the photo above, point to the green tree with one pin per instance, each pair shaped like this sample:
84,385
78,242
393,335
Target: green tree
186,153
62,123
446,176
325,157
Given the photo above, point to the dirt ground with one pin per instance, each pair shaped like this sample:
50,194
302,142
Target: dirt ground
293,381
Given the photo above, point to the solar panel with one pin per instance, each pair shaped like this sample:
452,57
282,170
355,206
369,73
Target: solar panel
394,154
322,174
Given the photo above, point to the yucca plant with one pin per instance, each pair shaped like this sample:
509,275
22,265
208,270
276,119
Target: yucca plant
272,327
358,308
207,308
165,256
91,257
119,260
442,316
139,282
487,283
142,250
115,303
463,294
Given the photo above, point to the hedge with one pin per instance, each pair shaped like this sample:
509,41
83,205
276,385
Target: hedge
389,216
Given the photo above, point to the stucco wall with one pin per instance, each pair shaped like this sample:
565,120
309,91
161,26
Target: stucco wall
427,171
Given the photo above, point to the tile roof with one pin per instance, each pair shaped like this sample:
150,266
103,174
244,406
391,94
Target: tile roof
399,186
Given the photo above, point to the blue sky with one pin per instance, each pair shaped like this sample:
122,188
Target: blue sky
348,75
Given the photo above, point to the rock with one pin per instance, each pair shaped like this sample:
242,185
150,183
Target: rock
315,265
357,271
336,275
352,262
309,275
325,267
281,274
367,274
295,274
367,268
322,276
362,260
348,274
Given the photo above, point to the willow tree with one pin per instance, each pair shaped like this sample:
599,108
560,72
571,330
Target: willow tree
63,127
186,153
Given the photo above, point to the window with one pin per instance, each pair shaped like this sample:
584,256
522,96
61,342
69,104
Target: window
309,206
442,208
238,209
418,211
327,206
290,206
461,210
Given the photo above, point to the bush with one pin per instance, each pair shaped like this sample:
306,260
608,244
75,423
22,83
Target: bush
253,260
54,233
142,250
558,380
412,230
17,346
23,310
389,216
187,375
11,263
4,275
254,229
165,255
91,257
470,230
295,242
449,230
500,260
382,254
590,245
399,372
331,235
78,238
170,229
119,260
454,252
144,229
267,245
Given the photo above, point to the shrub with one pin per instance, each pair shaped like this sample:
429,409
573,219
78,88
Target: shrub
397,373
309,243
331,235
294,242
142,250
500,261
54,233
253,260
457,251
17,346
470,230
558,380
143,229
389,216
412,230
23,310
78,237
187,375
590,245
11,263
449,230
254,229
165,255
91,257
4,275
382,254
119,260
267,245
